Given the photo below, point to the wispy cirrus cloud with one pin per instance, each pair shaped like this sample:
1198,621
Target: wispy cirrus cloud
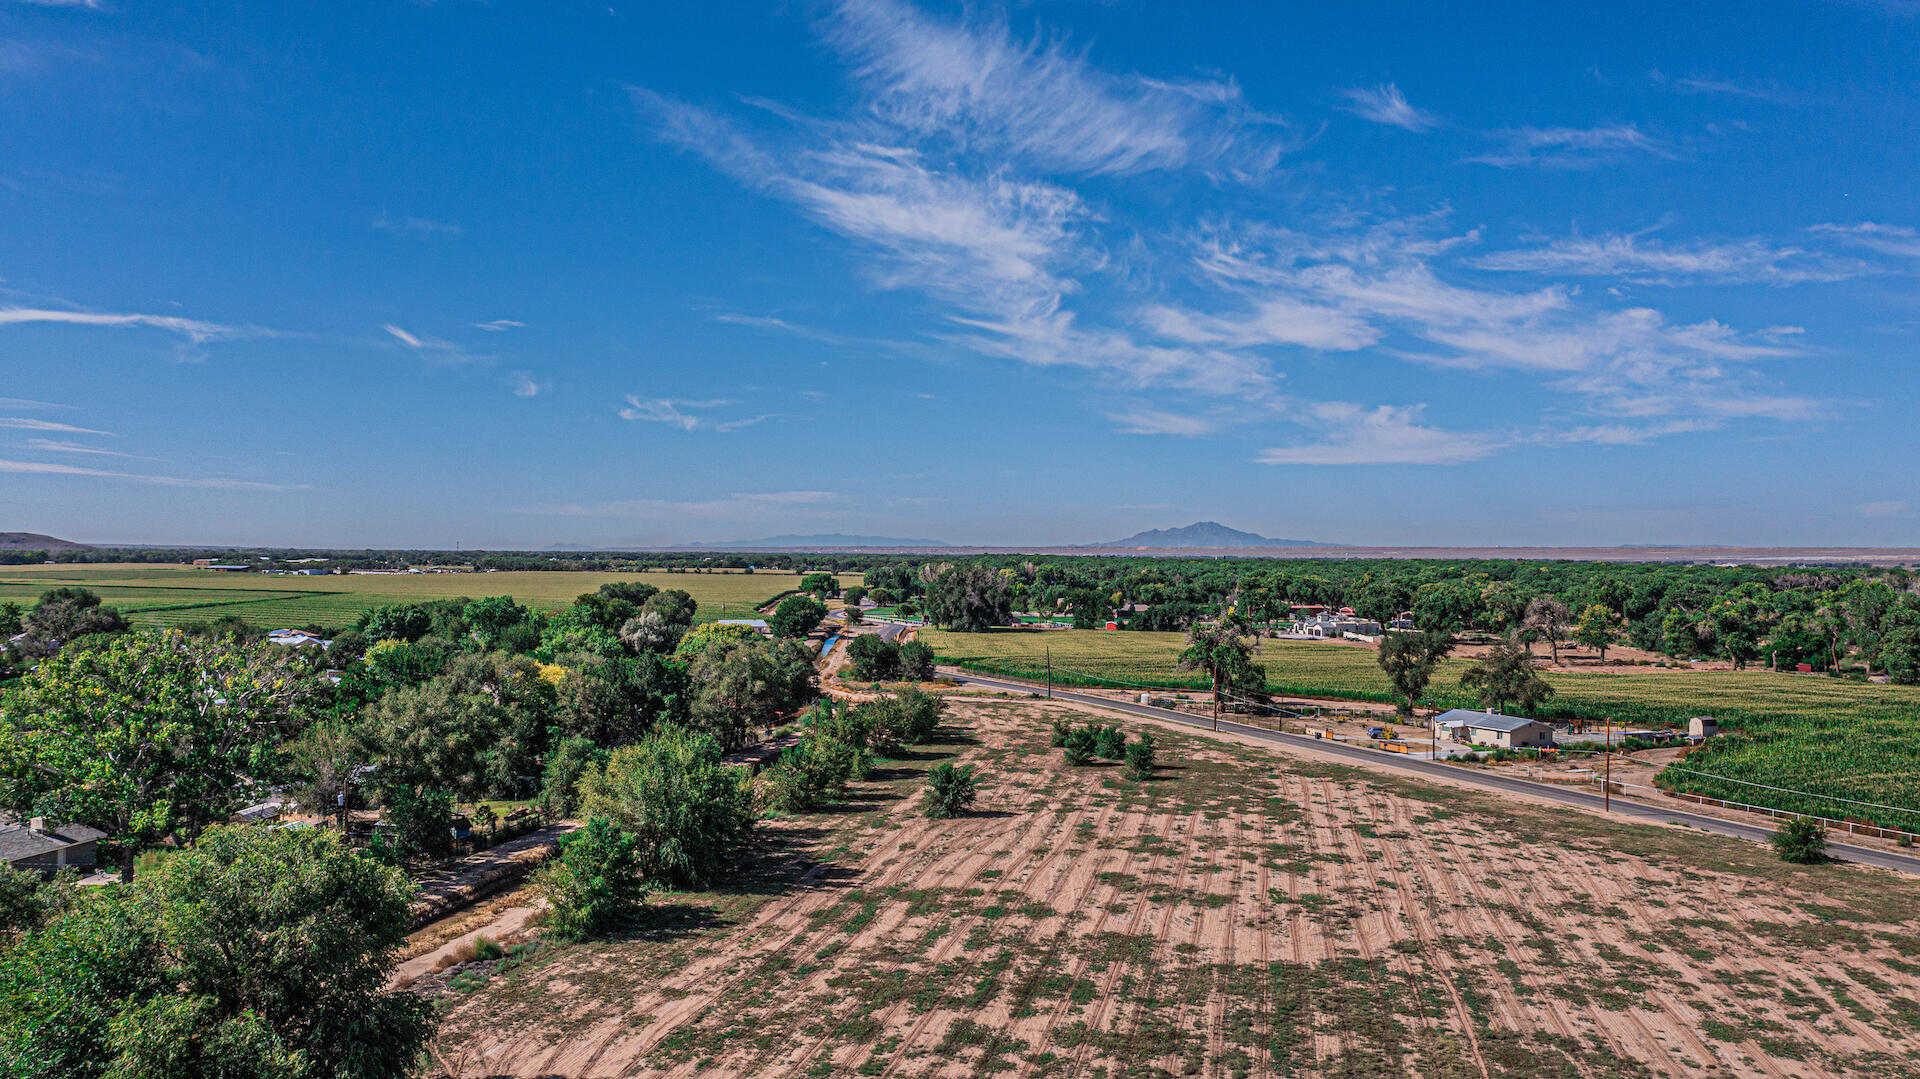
499,325
1385,104
973,83
1571,147
1882,510
193,330
48,445
1355,434
48,468
29,423
1152,421
686,415
417,225
1899,241
1635,257
432,349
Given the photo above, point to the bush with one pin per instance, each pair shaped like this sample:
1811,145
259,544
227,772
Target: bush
814,774
567,768
420,825
1802,841
1079,746
689,812
1109,743
873,659
916,662
595,884
1058,736
1140,758
950,791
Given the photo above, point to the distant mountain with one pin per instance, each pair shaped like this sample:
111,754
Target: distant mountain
1204,534
34,541
829,539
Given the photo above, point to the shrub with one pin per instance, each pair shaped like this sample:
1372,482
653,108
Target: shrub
873,658
1140,758
567,768
1058,736
689,812
595,884
813,774
421,824
1079,745
1802,841
950,791
1109,743
916,662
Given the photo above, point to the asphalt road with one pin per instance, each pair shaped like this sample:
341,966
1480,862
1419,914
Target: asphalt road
1624,807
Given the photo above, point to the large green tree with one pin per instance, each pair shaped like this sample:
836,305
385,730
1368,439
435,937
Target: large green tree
689,813
1506,677
796,616
969,597
1224,651
152,737
477,729
255,953
1409,660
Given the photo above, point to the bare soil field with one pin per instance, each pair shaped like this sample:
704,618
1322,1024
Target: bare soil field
1242,914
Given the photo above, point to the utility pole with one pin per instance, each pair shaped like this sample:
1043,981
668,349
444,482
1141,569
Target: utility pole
1606,785
1049,672
1216,703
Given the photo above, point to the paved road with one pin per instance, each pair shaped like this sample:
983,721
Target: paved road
1625,807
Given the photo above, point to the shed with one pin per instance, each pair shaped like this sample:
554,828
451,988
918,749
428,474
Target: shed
43,848
1492,728
1702,727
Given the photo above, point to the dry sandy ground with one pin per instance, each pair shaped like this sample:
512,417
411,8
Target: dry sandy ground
1244,914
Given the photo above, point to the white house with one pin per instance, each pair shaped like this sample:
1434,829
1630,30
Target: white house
1492,728
297,638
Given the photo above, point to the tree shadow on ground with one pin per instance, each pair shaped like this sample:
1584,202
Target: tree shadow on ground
662,922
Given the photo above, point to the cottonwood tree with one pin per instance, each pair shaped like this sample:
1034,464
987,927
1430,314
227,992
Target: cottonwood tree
149,738
969,598
688,812
1225,653
1409,660
1549,618
1506,676
256,953
1598,628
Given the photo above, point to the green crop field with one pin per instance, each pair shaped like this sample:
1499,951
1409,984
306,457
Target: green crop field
1852,740
173,595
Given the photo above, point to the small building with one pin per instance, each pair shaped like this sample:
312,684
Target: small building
298,638
1492,728
203,563
1702,727
758,625
226,567
39,847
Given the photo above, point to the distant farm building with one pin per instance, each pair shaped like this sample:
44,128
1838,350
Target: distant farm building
298,638
758,625
1335,626
1702,727
1494,729
225,567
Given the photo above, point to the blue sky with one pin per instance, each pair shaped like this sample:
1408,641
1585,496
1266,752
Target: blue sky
512,274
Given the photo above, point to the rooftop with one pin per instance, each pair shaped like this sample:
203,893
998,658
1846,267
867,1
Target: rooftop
18,842
1486,721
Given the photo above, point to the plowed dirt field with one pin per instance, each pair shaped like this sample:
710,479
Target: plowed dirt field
1242,914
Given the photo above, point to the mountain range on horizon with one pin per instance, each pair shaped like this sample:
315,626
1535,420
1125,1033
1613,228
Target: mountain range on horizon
1204,534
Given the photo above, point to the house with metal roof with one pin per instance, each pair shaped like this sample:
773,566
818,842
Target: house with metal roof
1492,728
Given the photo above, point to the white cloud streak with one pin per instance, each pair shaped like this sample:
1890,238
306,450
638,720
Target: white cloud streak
416,225
1151,421
1353,434
1570,147
974,84
1385,104
1898,241
45,468
192,329
1635,258
28,423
